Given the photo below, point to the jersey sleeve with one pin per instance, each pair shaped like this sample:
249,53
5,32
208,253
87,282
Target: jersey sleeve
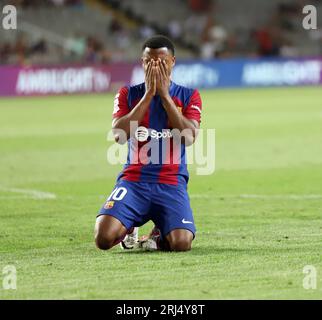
194,107
121,106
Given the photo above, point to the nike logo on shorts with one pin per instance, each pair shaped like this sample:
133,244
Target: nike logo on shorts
185,221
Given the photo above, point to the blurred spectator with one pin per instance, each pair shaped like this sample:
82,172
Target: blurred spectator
195,24
214,39
93,48
40,47
121,36
175,29
5,52
74,2
288,50
58,3
123,40
146,31
200,5
266,44
20,49
76,46
115,26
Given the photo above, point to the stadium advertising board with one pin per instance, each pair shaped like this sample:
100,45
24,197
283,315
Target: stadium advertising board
24,81
250,73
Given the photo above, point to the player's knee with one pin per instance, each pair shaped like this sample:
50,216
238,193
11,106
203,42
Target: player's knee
180,244
104,242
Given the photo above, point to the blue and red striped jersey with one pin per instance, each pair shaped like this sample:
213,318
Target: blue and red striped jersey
164,162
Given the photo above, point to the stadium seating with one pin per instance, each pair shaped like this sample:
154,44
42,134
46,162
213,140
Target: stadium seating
235,16
58,24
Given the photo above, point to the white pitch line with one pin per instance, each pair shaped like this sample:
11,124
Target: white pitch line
260,196
30,193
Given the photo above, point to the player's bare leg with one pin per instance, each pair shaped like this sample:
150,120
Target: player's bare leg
179,240
109,231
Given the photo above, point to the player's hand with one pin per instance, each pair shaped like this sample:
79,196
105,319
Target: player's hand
163,78
150,79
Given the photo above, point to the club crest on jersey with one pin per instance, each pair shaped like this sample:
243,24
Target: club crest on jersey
109,205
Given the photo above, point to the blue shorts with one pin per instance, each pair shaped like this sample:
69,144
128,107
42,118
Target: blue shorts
135,203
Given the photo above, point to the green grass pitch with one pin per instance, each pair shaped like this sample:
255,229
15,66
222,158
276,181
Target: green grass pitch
268,146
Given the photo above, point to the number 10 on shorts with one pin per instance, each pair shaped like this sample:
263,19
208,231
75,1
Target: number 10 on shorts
117,194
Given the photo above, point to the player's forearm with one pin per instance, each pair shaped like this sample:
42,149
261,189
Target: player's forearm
179,121
136,115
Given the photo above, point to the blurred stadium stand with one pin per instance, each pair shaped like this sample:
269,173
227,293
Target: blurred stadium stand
104,31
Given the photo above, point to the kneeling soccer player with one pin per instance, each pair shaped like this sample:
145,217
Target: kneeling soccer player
154,189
